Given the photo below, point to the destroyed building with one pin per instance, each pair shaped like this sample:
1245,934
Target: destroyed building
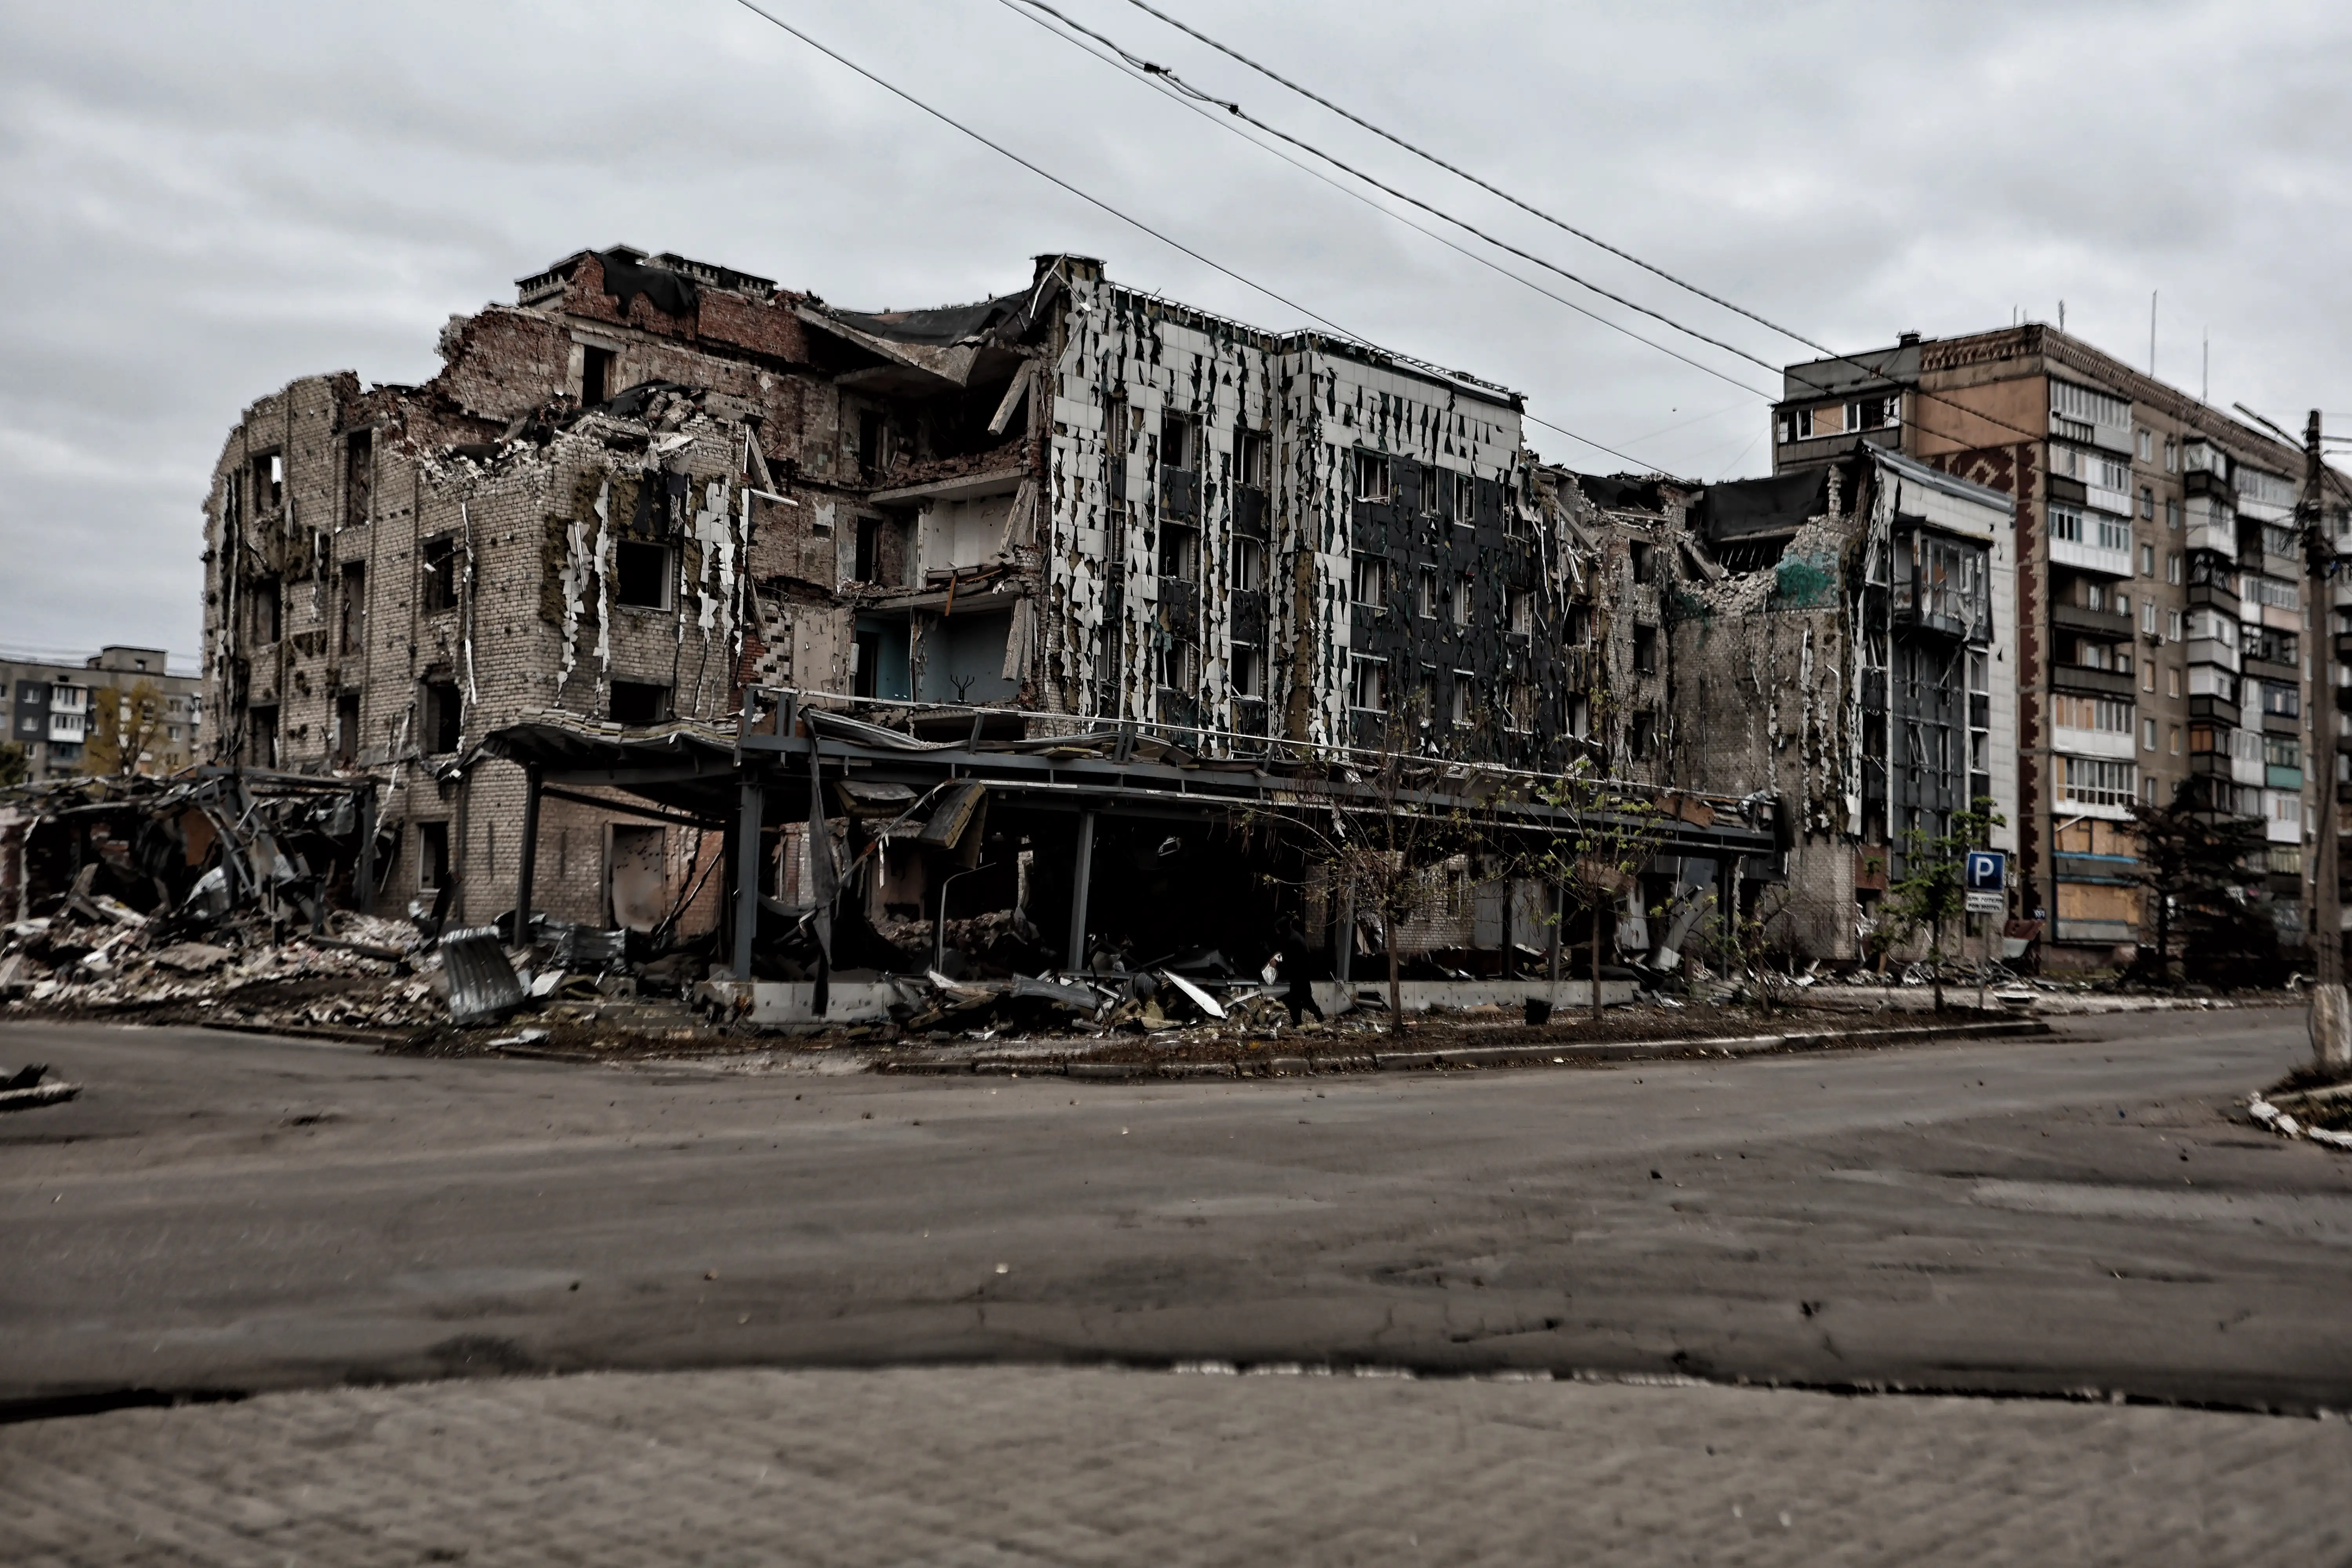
650,483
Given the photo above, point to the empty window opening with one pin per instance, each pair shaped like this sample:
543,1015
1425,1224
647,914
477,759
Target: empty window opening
1464,587
1179,667
1179,553
265,610
1370,584
1465,499
351,637
432,856
261,736
1249,565
440,572
1465,689
359,476
444,718
268,483
869,550
595,376
873,442
1176,441
1645,649
347,728
641,574
1645,562
639,703
1640,736
1519,610
1372,477
1253,460
1424,593
1249,671
1367,685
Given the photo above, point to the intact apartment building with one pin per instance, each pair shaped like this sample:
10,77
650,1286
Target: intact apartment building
649,482
53,709
2162,632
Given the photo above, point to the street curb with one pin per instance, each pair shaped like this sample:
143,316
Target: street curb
1565,1053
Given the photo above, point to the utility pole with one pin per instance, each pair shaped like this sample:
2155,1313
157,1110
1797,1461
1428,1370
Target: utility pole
2331,1017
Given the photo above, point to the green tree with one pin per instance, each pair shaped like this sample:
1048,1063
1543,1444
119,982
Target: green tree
1595,863
1933,889
2194,865
14,768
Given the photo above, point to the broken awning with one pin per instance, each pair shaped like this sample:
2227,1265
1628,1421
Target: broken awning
1754,508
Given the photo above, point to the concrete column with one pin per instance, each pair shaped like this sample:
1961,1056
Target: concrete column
747,871
1081,874
526,858
1343,938
364,873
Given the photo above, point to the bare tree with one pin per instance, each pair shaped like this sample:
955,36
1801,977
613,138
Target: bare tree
124,725
1596,862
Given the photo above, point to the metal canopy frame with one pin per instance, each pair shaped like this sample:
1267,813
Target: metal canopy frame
761,776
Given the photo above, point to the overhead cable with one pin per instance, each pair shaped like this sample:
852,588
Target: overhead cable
1173,88
1131,221
1558,223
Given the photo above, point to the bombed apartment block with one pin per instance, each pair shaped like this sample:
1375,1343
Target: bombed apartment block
651,484
1850,652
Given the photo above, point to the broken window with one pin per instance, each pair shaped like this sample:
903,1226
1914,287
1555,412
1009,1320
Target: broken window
1427,695
873,442
1370,583
869,550
1176,441
1119,435
1179,553
438,590
1372,477
1580,625
1253,460
1580,716
265,610
432,856
1464,586
1465,499
1368,684
1464,689
1249,671
1645,649
445,715
641,574
359,476
352,636
1424,593
1249,565
639,703
1180,666
261,736
1519,706
1645,562
347,728
268,484
1436,490
595,374
1519,610
1642,735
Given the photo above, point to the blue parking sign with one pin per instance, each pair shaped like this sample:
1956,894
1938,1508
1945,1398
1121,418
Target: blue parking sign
1987,871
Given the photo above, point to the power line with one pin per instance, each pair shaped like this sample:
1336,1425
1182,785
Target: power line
1133,222
1179,92
1561,224
1237,111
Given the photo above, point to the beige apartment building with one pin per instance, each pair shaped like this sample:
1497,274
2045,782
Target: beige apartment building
2162,633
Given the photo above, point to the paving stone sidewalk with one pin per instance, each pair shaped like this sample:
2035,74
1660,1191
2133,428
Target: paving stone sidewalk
1012,1466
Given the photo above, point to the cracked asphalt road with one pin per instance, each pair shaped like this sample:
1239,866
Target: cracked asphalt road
2058,1216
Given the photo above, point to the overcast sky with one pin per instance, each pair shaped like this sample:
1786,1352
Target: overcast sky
203,202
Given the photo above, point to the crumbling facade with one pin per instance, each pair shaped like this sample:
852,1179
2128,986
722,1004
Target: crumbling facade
650,484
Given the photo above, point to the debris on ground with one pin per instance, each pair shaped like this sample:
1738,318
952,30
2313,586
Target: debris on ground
22,1090
2321,1115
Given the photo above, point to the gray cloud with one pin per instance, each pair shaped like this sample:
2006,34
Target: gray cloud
203,201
